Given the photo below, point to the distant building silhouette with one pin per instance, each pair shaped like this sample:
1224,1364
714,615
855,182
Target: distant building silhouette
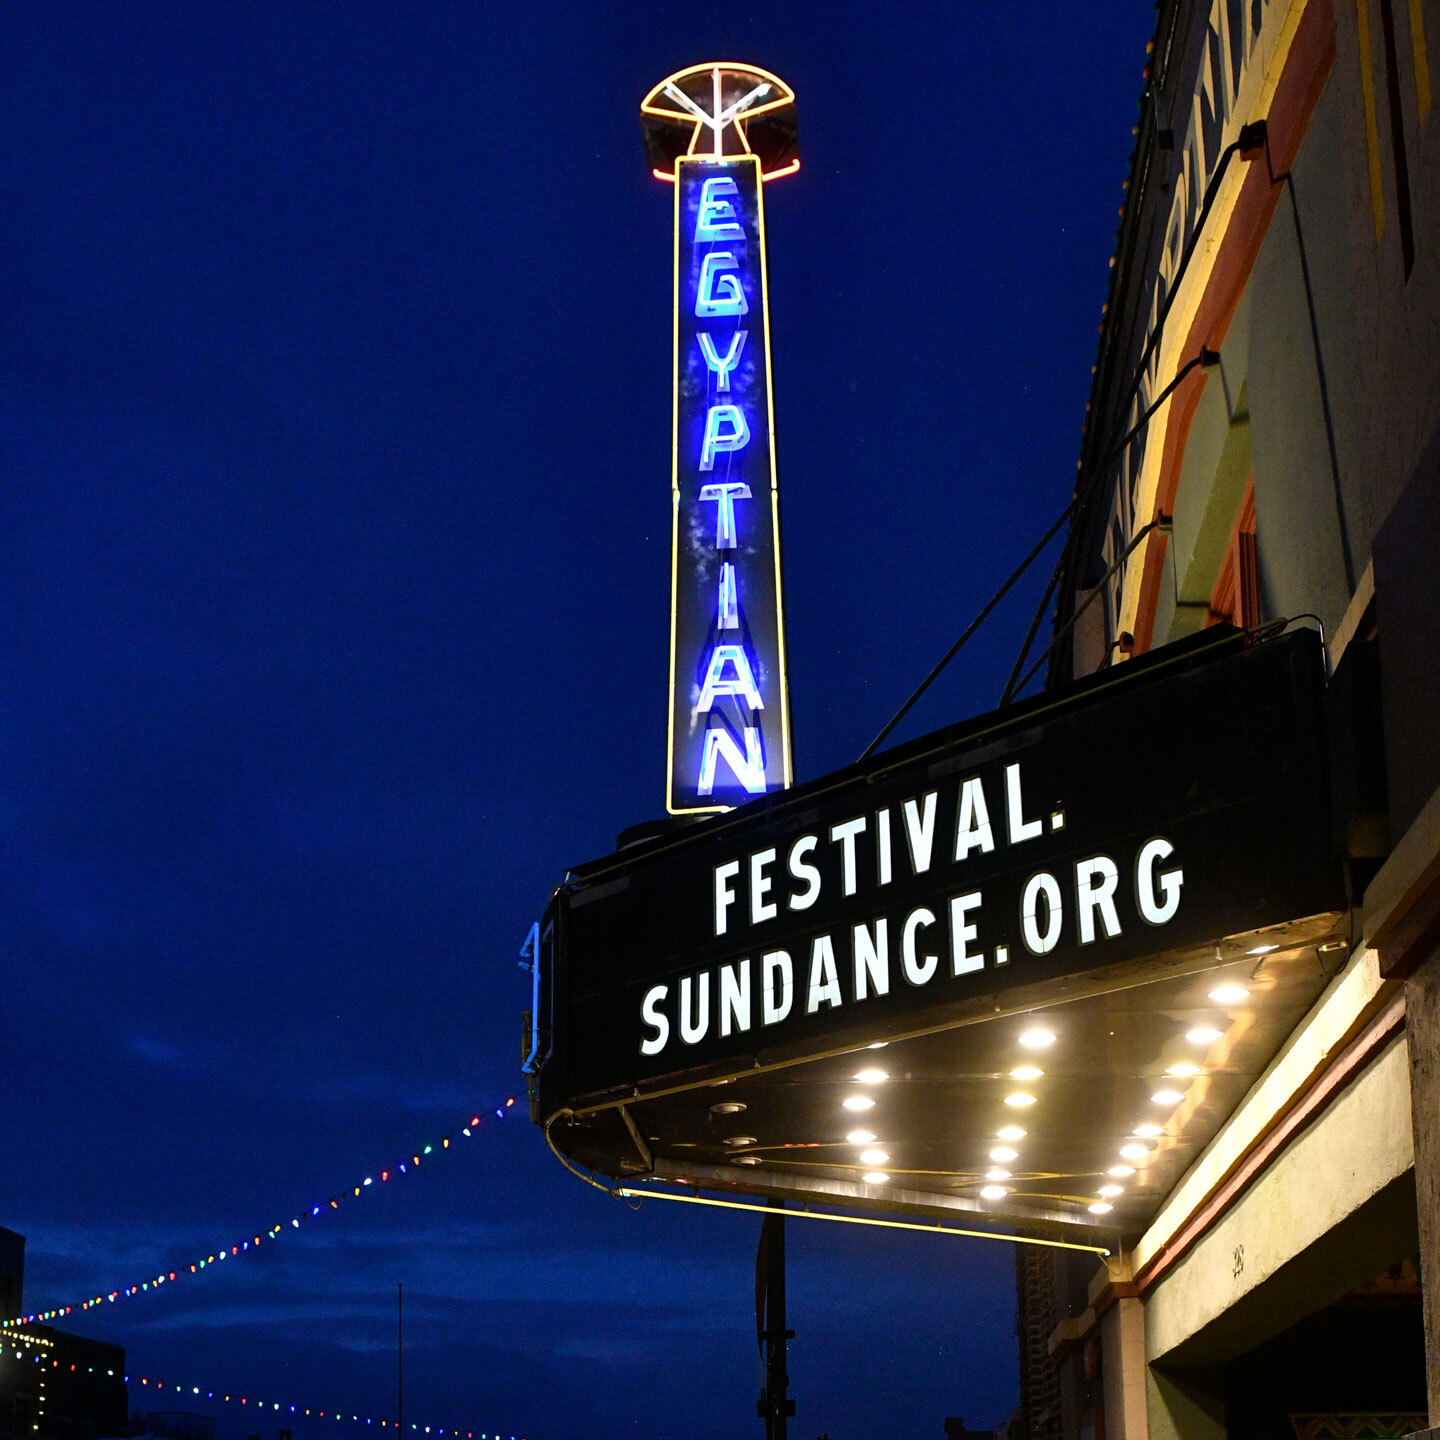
52,1383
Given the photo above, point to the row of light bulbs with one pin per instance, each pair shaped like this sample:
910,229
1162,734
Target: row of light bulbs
1133,1150
1138,1149
1004,1154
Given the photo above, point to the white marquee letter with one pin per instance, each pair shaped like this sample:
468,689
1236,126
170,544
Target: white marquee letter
804,846
845,833
1041,886
654,1044
1154,910
972,829
724,895
1020,828
735,997
694,1022
872,960
777,986
760,886
962,962
1095,882
917,972
824,986
920,832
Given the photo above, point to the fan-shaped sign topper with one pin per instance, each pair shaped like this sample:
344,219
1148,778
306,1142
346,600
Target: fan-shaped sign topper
721,109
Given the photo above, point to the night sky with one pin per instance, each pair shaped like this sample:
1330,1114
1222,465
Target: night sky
334,567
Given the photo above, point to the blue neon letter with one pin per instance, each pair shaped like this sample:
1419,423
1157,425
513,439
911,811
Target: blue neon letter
722,365
717,219
720,292
729,618
749,768
725,497
718,440
716,682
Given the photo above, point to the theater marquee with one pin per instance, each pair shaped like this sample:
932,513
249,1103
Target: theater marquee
1060,847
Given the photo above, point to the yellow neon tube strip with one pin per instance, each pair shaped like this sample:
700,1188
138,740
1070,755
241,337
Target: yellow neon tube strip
936,1229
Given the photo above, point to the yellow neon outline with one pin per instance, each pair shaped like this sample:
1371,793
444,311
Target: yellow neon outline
788,768
774,477
626,1193
648,106
674,493
784,170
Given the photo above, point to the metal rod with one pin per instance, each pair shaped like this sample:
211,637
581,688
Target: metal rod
1161,523
628,1194
399,1357
969,630
1206,357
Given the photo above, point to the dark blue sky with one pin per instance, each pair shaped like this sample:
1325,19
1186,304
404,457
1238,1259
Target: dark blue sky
334,420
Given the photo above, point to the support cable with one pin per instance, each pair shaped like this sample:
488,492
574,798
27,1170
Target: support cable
1207,358
1248,144
1345,554
969,630
1161,522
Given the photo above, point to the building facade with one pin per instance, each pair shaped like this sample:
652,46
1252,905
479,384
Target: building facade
1262,446
52,1383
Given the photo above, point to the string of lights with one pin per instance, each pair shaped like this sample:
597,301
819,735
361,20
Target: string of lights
249,1243
251,1402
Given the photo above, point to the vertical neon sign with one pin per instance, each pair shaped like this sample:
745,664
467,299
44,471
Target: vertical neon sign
729,722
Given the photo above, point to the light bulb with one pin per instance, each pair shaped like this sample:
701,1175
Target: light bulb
857,1102
1037,1039
872,1077
1229,994
1004,1154
861,1137
993,1192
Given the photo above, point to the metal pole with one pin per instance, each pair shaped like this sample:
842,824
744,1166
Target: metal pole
399,1357
775,1406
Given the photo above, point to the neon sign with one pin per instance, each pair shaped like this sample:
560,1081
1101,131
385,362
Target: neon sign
729,722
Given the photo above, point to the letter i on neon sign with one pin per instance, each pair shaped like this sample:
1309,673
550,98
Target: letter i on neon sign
717,134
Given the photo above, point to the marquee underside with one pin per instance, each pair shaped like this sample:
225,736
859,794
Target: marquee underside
939,1113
